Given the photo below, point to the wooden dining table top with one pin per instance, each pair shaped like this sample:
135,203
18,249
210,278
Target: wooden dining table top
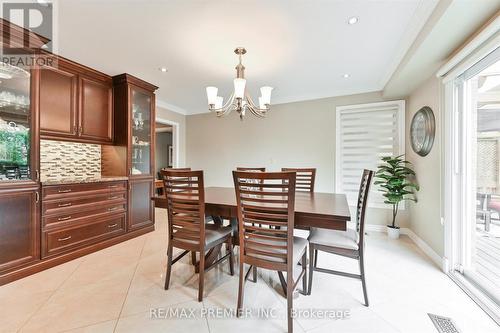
316,209
315,203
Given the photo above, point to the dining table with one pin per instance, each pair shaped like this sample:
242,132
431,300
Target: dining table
312,210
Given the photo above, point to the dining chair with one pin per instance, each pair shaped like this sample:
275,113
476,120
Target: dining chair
269,201
305,178
162,177
349,243
187,229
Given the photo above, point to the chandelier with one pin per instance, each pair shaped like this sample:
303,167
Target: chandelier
239,100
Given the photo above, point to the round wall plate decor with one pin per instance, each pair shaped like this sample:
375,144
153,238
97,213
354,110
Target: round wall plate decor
422,131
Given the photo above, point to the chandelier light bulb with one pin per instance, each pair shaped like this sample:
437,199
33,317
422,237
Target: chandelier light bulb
239,87
212,95
266,94
218,102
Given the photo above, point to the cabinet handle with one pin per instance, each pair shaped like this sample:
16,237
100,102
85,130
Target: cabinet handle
113,208
64,191
37,197
65,204
64,239
64,218
115,197
37,175
113,186
112,225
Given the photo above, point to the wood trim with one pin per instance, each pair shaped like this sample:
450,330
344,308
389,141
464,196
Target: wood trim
17,34
129,79
78,68
48,263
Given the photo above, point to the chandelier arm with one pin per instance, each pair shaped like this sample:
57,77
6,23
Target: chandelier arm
226,107
250,101
256,111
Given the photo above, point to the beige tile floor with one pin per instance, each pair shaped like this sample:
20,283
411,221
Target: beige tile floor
114,290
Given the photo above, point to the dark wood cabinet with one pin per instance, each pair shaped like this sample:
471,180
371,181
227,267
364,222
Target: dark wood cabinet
135,124
141,213
79,215
96,110
47,226
58,103
76,103
19,229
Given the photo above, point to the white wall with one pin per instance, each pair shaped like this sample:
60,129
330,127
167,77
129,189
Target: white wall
425,215
300,134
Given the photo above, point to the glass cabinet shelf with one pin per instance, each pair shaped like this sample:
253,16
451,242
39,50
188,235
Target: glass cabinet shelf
141,132
15,123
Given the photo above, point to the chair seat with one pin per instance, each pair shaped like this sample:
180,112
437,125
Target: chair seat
299,246
213,234
334,238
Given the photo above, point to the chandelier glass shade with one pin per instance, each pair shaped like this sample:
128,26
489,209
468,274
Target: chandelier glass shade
239,101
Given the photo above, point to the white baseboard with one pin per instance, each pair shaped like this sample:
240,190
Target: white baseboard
442,263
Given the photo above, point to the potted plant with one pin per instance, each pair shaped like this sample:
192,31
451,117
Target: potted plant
395,179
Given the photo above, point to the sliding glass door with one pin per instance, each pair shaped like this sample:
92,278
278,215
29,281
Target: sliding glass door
478,140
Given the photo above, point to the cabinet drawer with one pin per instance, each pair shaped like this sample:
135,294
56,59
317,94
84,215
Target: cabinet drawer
78,217
51,192
62,240
82,204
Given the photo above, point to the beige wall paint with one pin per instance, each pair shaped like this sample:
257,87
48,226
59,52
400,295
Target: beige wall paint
162,113
300,134
425,215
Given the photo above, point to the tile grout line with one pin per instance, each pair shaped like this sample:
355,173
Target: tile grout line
130,284
50,297
206,318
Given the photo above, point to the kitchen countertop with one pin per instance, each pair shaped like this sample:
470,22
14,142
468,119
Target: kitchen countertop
83,180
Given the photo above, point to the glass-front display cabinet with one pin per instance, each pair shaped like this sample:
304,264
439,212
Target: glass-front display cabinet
16,124
141,132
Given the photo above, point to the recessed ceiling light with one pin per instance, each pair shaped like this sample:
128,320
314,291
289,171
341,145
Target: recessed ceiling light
345,76
353,20
163,69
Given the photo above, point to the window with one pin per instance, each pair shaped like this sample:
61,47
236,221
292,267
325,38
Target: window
365,134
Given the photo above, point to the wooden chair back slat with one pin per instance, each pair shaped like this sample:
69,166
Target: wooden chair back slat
306,177
364,190
250,169
266,203
185,193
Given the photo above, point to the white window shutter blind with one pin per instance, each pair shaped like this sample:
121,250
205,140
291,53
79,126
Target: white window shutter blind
365,134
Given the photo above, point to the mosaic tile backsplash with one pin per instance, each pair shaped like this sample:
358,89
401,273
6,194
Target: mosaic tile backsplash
69,160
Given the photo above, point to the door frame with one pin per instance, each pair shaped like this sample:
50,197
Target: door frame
175,138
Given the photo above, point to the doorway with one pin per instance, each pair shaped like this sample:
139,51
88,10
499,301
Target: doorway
169,149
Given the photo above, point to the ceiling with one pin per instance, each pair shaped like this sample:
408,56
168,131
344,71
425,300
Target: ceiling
438,41
302,48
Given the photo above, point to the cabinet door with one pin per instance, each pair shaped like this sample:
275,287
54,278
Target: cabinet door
19,229
58,107
18,125
96,110
140,204
141,153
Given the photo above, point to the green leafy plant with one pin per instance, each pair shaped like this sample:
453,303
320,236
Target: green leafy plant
396,181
